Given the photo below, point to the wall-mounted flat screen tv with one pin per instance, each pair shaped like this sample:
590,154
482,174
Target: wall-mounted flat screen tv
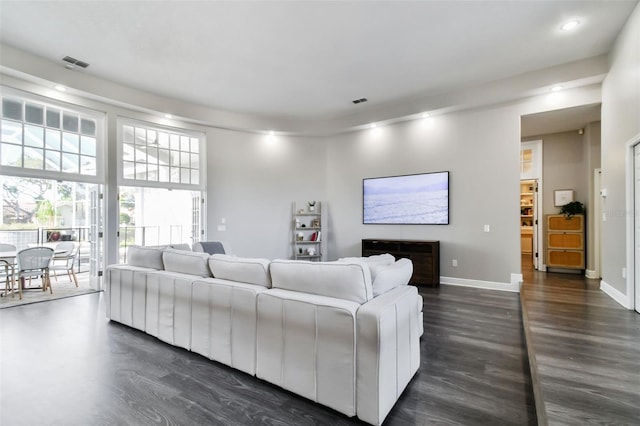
421,199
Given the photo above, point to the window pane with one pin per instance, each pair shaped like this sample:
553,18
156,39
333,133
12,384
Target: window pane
195,177
175,174
195,161
11,155
33,136
185,144
185,175
87,127
185,159
53,118
195,145
52,139
163,173
34,114
87,165
174,142
52,160
128,152
11,132
163,139
141,154
70,163
12,109
151,137
33,158
70,122
128,169
70,142
141,136
152,155
88,146
141,171
152,172
163,156
127,134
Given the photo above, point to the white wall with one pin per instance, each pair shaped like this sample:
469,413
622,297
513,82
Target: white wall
252,180
620,123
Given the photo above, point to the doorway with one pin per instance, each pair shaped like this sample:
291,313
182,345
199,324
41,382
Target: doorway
530,203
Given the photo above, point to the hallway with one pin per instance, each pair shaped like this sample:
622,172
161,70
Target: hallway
584,351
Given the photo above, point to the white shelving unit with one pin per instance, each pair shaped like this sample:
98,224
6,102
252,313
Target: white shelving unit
308,232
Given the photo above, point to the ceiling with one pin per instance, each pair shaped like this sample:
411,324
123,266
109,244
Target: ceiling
309,59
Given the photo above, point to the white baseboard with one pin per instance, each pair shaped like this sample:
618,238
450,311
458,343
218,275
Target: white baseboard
616,295
514,286
590,273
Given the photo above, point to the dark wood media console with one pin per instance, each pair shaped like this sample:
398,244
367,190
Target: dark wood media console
425,256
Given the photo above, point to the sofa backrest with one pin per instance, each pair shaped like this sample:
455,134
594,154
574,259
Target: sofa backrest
145,257
186,262
241,269
349,281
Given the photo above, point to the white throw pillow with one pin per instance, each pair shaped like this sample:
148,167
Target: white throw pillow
392,276
241,269
186,262
374,262
349,281
145,257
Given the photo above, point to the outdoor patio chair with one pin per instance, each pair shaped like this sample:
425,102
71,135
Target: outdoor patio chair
64,259
7,268
33,263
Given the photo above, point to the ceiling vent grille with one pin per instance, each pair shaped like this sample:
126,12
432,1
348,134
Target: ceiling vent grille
73,62
359,101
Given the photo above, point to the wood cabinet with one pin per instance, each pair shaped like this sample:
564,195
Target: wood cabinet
425,256
565,241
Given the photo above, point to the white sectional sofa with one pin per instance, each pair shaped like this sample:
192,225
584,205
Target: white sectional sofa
324,330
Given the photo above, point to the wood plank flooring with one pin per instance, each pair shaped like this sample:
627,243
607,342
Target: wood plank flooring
63,363
587,351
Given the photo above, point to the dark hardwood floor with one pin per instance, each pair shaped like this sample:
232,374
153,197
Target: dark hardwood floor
587,351
63,363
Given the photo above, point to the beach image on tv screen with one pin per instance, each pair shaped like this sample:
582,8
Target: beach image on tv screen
412,199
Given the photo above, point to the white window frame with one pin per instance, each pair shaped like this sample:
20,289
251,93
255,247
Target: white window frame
202,155
98,116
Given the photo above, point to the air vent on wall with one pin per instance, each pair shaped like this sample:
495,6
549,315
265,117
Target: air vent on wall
358,101
73,62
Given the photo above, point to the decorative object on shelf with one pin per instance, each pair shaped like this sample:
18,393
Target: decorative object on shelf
312,206
315,223
311,251
300,236
562,197
571,209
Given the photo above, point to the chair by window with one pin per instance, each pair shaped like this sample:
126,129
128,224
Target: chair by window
7,268
34,263
64,259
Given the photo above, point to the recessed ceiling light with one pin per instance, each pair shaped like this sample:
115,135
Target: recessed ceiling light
556,88
372,125
168,116
424,115
568,26
60,88
272,133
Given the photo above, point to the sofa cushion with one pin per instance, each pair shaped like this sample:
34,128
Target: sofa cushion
240,269
374,262
181,246
349,281
145,257
186,262
391,276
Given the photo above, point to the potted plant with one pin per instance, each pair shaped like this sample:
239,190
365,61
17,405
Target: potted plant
312,205
572,208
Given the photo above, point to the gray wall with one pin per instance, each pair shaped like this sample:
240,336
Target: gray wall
620,123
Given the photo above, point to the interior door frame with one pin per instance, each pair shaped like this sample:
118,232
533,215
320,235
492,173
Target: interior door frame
633,287
536,175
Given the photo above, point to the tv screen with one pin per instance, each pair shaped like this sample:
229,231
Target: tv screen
412,199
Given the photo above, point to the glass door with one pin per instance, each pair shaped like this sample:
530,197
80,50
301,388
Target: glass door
96,259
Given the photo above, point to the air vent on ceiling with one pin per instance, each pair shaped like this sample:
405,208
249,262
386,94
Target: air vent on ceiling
73,62
358,101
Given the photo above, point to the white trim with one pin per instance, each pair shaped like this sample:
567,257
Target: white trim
591,274
630,198
596,216
514,286
616,295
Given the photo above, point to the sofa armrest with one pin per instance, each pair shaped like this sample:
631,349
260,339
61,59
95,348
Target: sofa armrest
388,351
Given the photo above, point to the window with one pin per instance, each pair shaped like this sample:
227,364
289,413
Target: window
163,157
39,136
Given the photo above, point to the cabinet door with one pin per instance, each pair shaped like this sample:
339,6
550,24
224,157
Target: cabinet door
565,240
563,223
